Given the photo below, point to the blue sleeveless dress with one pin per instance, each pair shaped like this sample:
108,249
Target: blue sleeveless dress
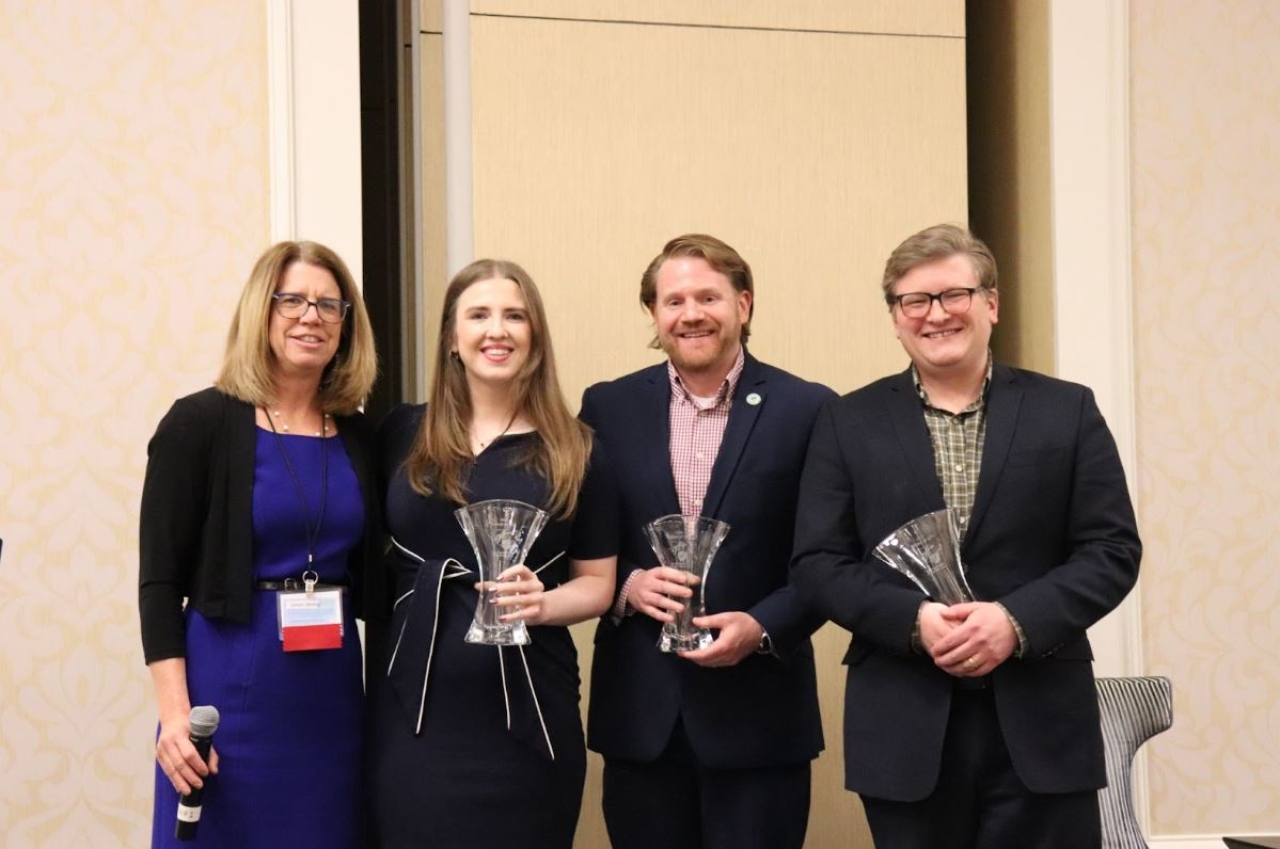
290,738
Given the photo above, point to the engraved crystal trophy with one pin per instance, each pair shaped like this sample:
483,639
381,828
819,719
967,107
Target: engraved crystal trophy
927,550
501,532
689,544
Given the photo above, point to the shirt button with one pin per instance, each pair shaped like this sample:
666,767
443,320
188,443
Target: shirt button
959,467
700,456
964,519
698,504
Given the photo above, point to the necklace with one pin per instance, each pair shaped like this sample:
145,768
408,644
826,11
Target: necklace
510,422
273,417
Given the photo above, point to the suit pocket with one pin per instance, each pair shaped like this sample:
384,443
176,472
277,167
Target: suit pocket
856,653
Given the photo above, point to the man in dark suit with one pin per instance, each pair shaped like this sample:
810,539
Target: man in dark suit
710,748
976,724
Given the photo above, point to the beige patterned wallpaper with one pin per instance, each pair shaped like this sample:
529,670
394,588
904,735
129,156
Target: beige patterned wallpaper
1205,114
133,200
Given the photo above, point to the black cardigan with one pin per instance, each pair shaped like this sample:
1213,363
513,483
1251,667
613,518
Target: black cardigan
196,528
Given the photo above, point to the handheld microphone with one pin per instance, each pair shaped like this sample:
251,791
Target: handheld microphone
203,722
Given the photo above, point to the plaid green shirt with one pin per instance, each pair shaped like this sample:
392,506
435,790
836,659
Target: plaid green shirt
957,456
957,446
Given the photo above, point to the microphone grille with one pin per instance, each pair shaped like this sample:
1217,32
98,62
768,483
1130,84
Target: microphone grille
204,720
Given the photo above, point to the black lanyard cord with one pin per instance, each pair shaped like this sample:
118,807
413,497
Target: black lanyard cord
310,535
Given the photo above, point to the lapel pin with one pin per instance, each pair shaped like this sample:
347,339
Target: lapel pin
753,399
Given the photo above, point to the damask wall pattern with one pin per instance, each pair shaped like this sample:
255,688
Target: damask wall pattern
133,200
1205,116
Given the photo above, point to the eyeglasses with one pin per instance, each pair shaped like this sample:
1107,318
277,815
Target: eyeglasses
918,304
330,310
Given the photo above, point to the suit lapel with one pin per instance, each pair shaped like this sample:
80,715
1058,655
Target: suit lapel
1002,417
657,413
907,416
742,420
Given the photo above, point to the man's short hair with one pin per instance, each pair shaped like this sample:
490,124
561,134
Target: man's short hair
935,243
720,256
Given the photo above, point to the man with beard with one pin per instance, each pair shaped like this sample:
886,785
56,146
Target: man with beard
711,747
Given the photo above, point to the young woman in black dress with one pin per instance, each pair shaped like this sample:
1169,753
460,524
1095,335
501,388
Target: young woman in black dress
476,745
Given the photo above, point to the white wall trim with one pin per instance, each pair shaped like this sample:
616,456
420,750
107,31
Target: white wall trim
1186,841
460,242
1093,286
411,322
1089,138
282,180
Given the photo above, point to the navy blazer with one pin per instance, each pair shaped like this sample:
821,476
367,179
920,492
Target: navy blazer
763,711
1052,537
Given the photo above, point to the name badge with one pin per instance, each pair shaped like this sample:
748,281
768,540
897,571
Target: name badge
310,619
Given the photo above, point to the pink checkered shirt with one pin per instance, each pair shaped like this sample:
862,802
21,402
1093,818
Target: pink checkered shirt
697,428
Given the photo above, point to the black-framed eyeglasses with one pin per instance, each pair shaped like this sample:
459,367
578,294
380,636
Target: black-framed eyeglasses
330,310
953,301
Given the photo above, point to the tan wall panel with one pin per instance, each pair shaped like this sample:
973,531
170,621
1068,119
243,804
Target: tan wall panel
814,164
915,17
431,16
814,154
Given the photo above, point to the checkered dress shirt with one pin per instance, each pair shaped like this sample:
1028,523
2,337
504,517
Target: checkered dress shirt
697,428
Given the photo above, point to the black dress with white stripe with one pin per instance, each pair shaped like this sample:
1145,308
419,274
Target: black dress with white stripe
473,745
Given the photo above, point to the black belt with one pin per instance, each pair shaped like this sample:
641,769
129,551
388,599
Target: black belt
294,584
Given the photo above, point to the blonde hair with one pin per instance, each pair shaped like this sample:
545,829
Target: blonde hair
441,451
931,244
248,365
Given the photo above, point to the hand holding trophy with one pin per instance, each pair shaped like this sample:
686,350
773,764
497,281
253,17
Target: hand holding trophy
501,532
688,544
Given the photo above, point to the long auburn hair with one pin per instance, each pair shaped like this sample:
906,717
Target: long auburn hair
441,450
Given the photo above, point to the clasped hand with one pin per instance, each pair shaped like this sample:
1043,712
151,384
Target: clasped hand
967,640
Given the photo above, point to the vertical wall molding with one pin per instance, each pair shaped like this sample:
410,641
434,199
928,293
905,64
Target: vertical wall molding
460,243
1093,286
283,188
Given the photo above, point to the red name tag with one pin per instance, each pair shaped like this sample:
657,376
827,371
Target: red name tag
312,637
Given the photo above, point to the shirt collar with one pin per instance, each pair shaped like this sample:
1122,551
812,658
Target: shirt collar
978,402
727,388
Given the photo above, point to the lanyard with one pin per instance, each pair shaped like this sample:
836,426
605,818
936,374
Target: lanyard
310,534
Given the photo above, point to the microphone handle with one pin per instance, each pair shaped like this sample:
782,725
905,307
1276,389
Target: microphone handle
189,805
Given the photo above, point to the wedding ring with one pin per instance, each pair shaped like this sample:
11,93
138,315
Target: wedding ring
971,663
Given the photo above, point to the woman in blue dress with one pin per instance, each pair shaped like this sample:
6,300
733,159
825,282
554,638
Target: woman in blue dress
254,487
473,745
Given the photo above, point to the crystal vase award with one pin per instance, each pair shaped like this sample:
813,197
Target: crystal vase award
689,544
927,550
501,532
